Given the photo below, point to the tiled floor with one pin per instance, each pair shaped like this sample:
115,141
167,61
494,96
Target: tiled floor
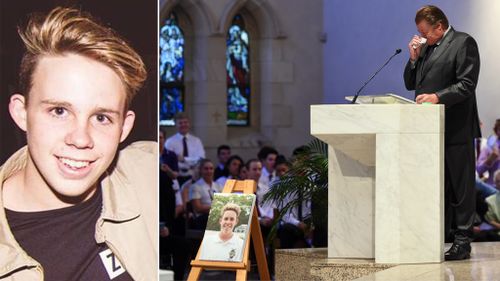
484,265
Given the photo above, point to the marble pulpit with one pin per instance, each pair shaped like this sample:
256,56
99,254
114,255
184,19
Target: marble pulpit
386,180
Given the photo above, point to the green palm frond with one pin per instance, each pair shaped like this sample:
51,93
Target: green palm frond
308,175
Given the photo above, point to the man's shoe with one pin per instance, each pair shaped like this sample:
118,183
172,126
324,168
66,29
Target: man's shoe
458,251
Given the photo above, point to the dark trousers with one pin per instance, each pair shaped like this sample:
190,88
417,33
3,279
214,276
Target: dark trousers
460,195
175,254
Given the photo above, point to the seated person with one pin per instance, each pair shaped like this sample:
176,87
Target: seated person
233,166
223,154
490,141
493,214
489,160
201,194
267,156
243,173
293,231
168,161
266,210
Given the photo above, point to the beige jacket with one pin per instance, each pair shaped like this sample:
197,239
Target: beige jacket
128,223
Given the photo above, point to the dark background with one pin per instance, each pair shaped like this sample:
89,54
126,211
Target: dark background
136,21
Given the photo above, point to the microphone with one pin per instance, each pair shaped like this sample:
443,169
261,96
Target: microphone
373,76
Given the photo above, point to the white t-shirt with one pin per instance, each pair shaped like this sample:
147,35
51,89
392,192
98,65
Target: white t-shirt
203,191
213,248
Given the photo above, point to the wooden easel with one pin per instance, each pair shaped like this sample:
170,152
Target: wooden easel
241,268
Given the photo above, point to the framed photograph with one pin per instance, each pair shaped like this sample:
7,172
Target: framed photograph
227,227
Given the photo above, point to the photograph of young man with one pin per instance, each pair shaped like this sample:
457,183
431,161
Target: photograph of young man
74,206
224,245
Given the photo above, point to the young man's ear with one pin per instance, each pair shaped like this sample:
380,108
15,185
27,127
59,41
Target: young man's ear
128,124
17,109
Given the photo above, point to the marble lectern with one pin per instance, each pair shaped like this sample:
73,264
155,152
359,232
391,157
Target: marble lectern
386,180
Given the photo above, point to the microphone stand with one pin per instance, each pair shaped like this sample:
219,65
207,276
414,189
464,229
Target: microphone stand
373,76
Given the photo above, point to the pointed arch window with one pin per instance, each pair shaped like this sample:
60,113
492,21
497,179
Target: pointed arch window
171,70
238,74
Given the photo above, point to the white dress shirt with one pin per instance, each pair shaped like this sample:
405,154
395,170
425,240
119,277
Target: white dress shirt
266,178
195,151
292,216
265,209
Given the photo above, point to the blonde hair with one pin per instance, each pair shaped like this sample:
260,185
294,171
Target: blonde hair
68,30
231,207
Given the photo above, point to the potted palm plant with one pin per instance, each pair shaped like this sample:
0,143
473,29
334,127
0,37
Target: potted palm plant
307,179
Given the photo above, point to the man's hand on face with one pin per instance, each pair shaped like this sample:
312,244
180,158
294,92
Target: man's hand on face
427,98
415,46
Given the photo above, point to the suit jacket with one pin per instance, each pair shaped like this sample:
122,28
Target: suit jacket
451,71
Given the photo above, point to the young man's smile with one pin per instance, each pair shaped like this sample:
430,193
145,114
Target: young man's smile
74,169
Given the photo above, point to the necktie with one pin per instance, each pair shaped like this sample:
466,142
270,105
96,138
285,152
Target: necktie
184,147
428,53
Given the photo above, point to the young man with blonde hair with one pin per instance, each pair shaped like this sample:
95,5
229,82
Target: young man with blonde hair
73,206
225,245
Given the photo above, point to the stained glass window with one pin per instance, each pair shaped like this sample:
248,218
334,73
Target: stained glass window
238,73
171,70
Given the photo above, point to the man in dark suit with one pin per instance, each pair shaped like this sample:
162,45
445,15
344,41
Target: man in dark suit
445,70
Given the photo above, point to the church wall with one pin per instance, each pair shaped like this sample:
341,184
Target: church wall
286,60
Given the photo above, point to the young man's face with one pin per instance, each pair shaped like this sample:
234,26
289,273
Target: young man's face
228,221
207,171
74,120
234,167
183,126
223,155
281,169
254,171
243,173
269,162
